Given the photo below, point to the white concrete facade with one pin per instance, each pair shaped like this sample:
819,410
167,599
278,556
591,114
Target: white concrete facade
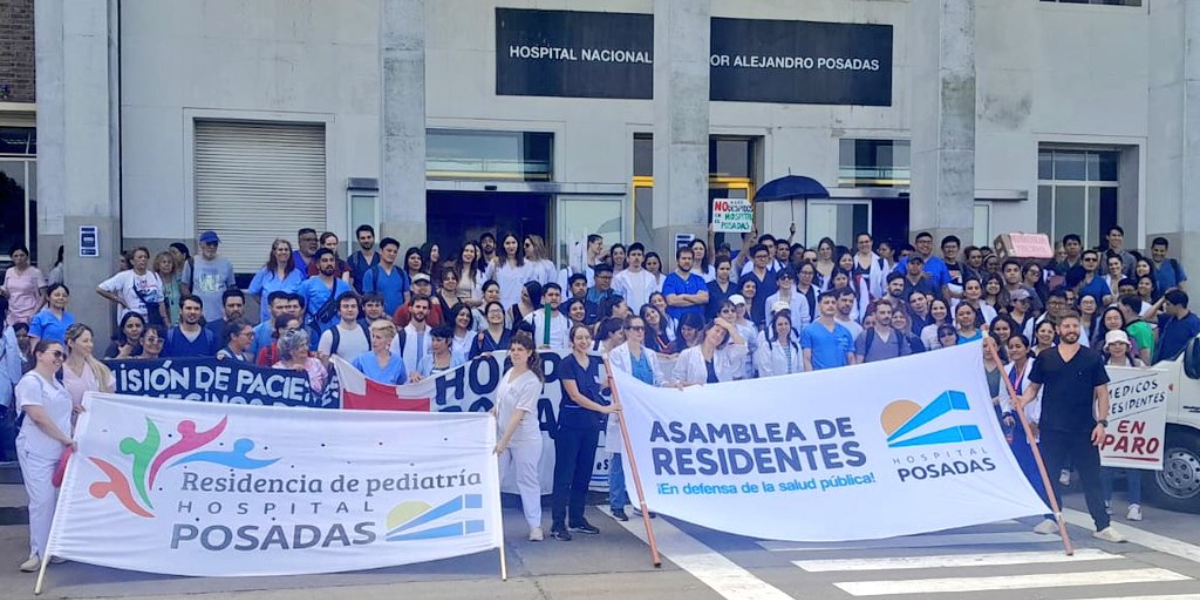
1044,73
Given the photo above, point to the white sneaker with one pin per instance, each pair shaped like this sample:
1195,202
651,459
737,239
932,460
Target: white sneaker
1064,477
536,534
1046,527
31,564
1109,534
1135,512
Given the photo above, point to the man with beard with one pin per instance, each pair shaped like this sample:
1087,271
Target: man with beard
413,341
189,339
487,244
233,303
307,243
1075,406
365,257
320,293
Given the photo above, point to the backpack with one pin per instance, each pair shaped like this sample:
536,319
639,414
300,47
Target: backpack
871,339
337,336
1175,268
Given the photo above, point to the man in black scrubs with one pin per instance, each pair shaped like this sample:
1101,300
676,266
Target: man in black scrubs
1074,415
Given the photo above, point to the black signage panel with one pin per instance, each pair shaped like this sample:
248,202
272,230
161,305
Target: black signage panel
800,62
574,54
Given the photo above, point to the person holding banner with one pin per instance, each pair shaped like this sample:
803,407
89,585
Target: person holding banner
294,356
635,358
826,343
380,364
48,408
1117,346
520,445
1074,414
496,336
442,358
720,356
1017,373
82,373
548,325
579,417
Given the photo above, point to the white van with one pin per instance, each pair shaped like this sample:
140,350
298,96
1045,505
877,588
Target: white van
1177,486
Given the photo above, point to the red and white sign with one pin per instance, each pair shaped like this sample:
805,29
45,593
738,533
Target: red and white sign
1137,418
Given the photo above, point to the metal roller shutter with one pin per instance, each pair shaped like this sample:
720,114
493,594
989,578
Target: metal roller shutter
256,182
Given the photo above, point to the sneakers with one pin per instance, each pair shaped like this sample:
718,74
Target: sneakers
1064,477
585,528
536,535
619,514
1135,512
1109,534
31,564
559,533
1046,527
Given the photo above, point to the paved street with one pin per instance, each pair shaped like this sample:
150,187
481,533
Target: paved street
999,560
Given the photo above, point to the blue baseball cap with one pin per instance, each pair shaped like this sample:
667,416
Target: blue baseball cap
210,237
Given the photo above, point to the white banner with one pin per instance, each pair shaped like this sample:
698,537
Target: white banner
898,447
1137,418
188,488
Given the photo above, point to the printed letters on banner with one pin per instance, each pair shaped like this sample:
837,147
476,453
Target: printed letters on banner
899,447
1137,418
221,381
203,489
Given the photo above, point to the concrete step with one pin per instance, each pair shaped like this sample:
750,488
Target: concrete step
13,501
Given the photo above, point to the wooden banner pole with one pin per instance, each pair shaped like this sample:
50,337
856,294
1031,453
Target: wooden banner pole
37,588
1033,445
637,480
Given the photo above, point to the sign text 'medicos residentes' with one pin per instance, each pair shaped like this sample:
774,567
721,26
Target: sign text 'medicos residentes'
611,55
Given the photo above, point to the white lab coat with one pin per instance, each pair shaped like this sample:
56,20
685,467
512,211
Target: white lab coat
771,357
1033,410
621,360
728,362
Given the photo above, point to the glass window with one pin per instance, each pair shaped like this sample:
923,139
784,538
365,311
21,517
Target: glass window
1070,166
14,203
18,140
983,224
466,154
362,212
835,220
1045,165
643,155
1077,192
874,163
580,216
730,157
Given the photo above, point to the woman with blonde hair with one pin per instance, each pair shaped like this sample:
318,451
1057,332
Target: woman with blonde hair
82,373
168,270
541,269
379,363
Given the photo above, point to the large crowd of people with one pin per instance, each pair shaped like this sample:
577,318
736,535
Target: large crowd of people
769,307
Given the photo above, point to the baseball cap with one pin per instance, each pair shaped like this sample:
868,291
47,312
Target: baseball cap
1021,294
1116,336
737,299
780,305
210,237
420,277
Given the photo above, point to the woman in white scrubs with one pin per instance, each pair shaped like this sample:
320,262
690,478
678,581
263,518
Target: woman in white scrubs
44,436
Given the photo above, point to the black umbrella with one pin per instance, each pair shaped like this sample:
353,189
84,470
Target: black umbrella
791,187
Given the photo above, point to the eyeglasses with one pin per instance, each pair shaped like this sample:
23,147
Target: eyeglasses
58,354
150,340
1090,259
635,328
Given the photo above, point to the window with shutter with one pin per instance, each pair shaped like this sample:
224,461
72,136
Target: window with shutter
256,182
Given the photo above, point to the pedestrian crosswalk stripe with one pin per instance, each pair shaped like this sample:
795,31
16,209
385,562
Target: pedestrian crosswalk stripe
1008,582
1156,597
923,541
950,561
1141,537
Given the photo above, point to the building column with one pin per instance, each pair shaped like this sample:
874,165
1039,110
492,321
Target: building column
681,49
1173,145
402,120
943,133
78,124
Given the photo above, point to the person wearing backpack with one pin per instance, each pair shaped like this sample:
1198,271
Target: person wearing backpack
880,342
1167,271
320,293
189,339
350,337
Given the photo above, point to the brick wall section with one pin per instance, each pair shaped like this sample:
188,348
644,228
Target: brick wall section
17,78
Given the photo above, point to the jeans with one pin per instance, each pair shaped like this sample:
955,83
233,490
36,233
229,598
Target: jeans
1133,477
1060,446
574,459
618,497
1023,452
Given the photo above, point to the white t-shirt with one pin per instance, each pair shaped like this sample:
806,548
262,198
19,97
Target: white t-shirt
351,342
34,390
511,280
520,394
635,287
559,327
126,285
